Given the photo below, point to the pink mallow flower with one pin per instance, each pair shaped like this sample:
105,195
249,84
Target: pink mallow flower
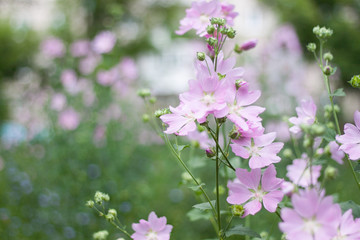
246,188
153,229
58,102
53,47
248,45
314,217
350,140
306,115
198,17
299,172
69,119
104,42
80,48
228,12
348,228
261,150
335,152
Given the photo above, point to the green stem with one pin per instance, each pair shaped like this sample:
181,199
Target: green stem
217,180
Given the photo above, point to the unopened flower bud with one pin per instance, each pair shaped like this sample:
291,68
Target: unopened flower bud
201,128
90,204
221,190
322,33
101,235
158,113
109,217
328,56
239,83
234,133
237,210
218,21
145,118
307,142
230,33
152,100
210,153
200,56
249,44
112,212
328,70
288,153
144,93
221,120
330,125
311,47
330,172
100,197
186,177
210,29
355,81
317,129
212,41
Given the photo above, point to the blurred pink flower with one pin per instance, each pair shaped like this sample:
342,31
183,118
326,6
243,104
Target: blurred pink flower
348,228
153,229
248,45
228,12
80,48
107,78
202,138
69,119
58,102
299,172
88,64
350,140
247,189
104,42
314,217
128,69
336,153
53,47
306,115
69,81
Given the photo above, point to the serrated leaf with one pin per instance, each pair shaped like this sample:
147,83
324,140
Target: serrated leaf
205,205
242,231
196,214
351,205
197,187
330,134
338,93
179,148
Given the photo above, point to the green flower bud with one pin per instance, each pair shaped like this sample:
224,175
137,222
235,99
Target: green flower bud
288,153
217,21
230,33
143,93
210,29
201,128
239,83
200,56
109,217
311,47
90,204
212,41
317,129
234,133
328,56
307,142
112,212
101,235
210,152
145,118
221,120
100,197
221,190
322,33
238,49
355,81
237,210
152,100
330,125
186,177
158,113
330,172
328,70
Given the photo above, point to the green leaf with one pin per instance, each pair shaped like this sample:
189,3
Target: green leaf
242,231
197,187
351,205
196,214
329,134
179,148
338,93
205,205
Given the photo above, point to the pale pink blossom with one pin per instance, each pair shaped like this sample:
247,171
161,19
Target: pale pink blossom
53,47
58,102
314,217
88,64
153,229
306,115
299,172
107,78
228,13
80,48
349,228
128,69
246,189
104,42
261,150
69,119
70,81
350,140
336,153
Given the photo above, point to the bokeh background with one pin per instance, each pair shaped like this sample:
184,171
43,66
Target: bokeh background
71,122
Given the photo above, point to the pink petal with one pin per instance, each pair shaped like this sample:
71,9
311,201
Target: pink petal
269,181
272,199
252,207
249,179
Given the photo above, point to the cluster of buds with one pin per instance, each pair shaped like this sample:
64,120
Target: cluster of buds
322,33
101,235
101,197
158,113
111,215
311,47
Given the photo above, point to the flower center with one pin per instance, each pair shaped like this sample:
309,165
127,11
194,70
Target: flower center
151,235
208,99
204,19
311,225
254,150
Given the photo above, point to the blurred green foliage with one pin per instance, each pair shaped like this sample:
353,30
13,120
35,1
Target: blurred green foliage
343,16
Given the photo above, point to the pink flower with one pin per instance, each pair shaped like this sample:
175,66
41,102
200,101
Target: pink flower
128,69
69,119
348,227
198,17
153,229
350,140
104,42
53,47
299,172
336,153
80,48
58,102
246,188
88,64
202,138
314,217
262,151
69,81
107,78
306,115
228,12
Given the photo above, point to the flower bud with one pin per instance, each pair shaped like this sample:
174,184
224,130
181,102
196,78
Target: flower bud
355,81
90,204
186,177
212,41
210,29
100,197
109,217
230,33
201,128
288,153
239,83
210,153
330,172
101,235
237,210
234,133
217,21
145,118
200,56
152,100
311,47
112,212
322,33
328,70
221,120
317,129
143,93
221,190
158,113
330,125
328,56
307,142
